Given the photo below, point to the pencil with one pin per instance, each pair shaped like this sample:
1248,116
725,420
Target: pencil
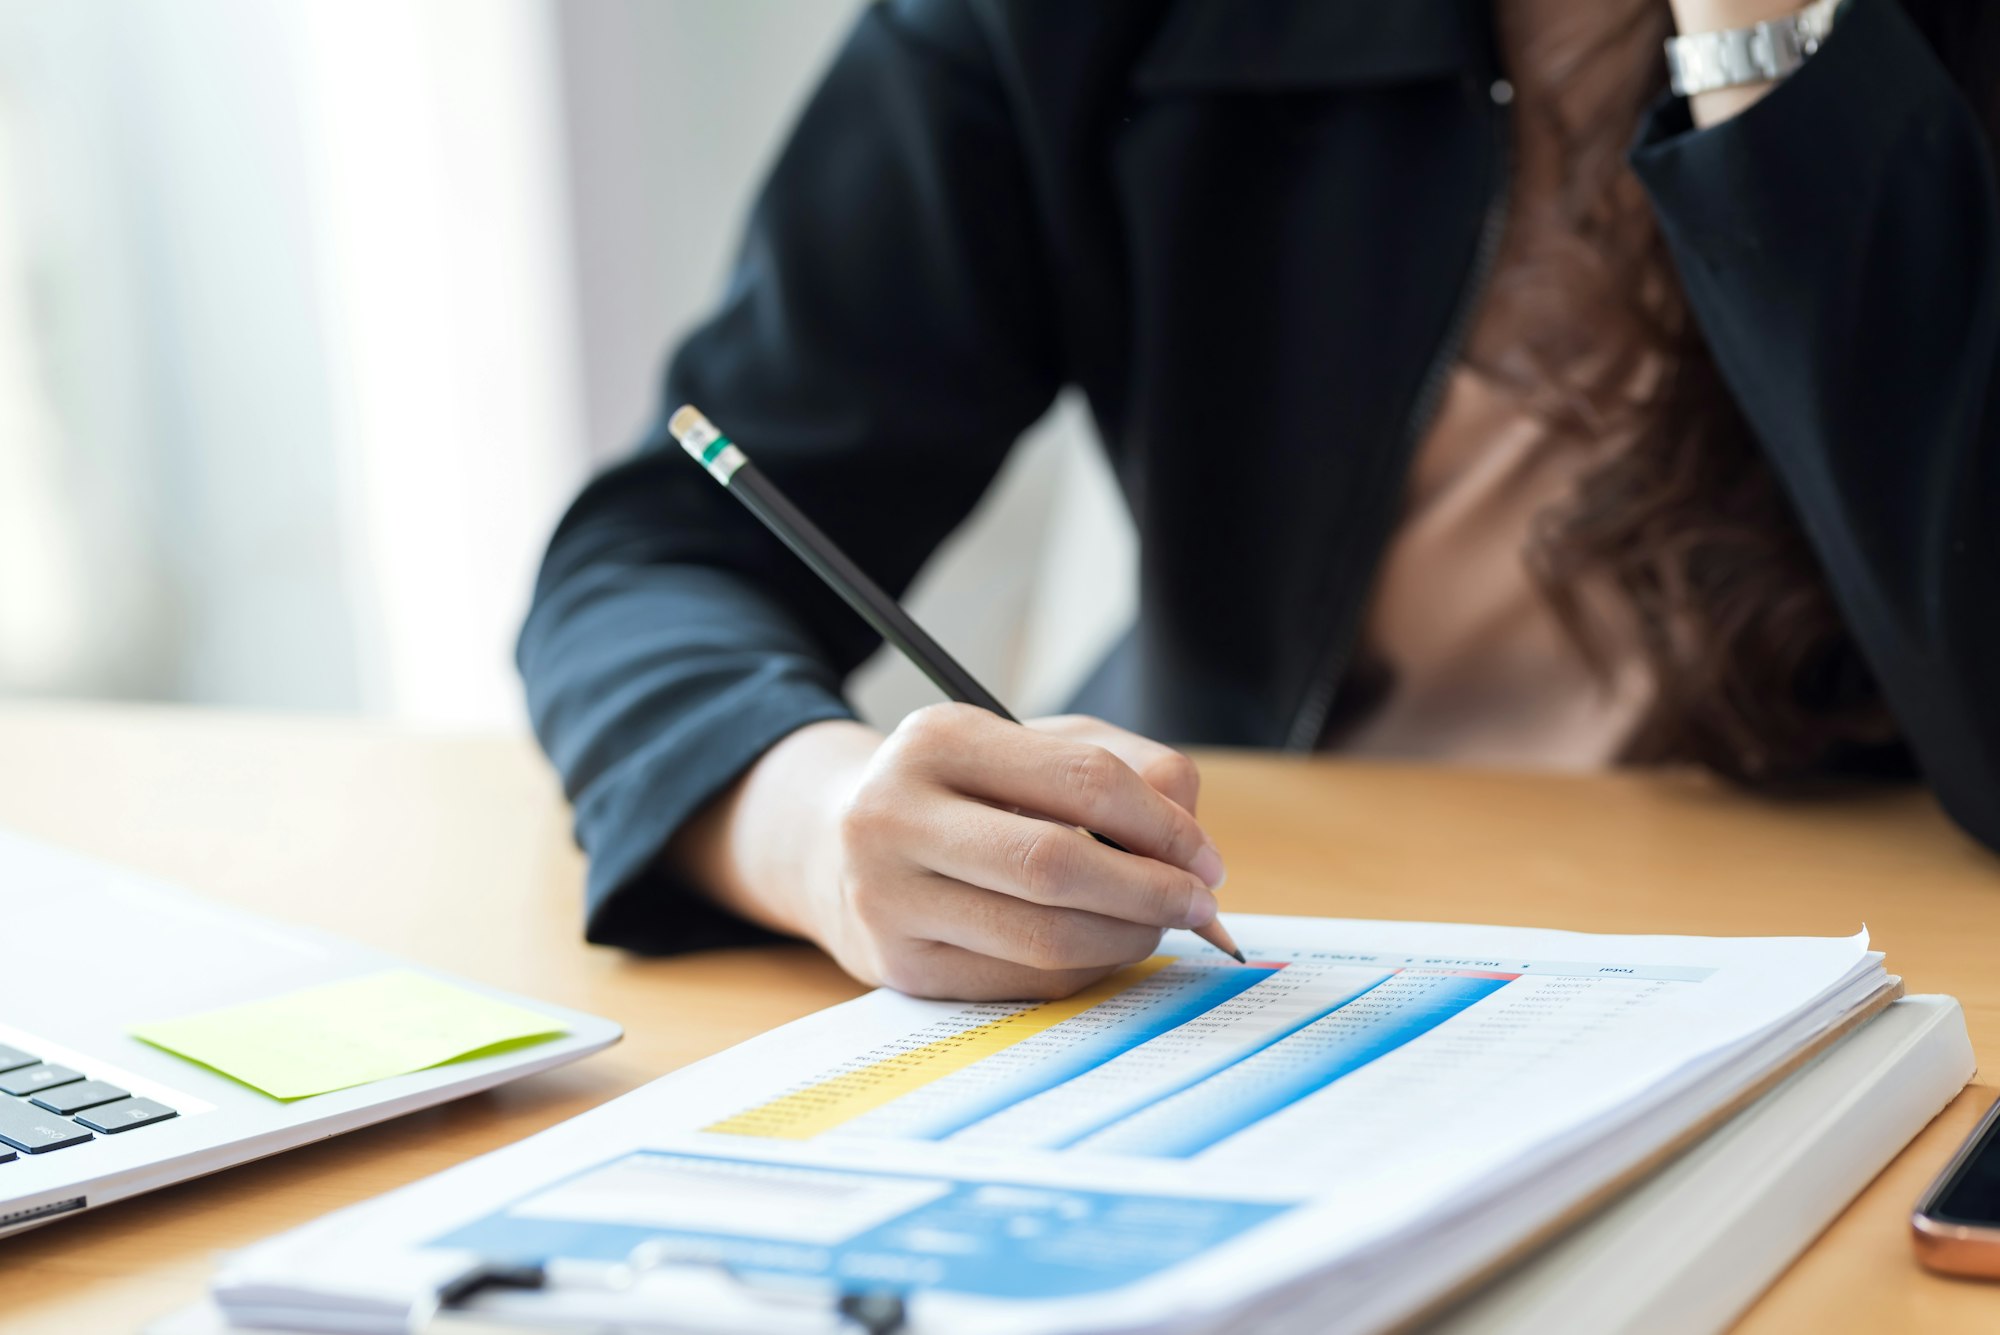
727,464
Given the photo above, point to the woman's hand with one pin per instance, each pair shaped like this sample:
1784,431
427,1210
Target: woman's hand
944,860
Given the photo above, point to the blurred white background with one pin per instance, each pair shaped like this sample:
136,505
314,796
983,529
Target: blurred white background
314,314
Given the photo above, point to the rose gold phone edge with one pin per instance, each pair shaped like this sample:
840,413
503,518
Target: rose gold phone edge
1950,1248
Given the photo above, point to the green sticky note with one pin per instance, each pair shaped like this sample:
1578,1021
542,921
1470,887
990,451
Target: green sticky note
348,1033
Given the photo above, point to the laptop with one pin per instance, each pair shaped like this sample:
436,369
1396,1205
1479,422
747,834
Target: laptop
90,1115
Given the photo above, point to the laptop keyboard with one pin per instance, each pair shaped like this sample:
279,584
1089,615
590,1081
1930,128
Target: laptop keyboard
45,1107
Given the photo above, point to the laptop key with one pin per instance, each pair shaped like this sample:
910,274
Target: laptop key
7,1154
13,1059
35,1079
124,1115
33,1130
67,1099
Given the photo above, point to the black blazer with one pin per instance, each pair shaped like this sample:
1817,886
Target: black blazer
1252,234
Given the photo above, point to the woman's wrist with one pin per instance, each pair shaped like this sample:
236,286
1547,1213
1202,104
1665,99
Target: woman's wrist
1698,16
762,847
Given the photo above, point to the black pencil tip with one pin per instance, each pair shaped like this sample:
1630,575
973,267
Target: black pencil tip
1239,957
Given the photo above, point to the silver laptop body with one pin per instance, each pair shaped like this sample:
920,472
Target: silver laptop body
87,951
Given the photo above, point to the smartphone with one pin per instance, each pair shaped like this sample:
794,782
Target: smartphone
1957,1223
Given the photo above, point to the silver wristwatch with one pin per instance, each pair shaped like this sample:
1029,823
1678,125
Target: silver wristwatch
1702,62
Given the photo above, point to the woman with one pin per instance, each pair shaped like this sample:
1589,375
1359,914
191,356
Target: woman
1447,431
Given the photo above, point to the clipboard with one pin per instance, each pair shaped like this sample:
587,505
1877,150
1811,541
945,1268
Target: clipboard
644,1294
649,1293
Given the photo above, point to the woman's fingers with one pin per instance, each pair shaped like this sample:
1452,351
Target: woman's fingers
1167,771
1002,927
945,889
933,969
969,751
1054,865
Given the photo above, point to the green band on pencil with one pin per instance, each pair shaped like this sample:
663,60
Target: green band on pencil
715,447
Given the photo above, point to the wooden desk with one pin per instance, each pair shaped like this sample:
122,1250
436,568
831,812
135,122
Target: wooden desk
455,850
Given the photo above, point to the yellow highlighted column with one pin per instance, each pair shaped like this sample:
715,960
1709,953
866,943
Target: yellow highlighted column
805,1113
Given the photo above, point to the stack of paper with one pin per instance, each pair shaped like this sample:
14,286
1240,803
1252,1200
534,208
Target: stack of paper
1346,1133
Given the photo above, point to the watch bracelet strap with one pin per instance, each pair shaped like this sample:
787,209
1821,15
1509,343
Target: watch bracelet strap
1703,62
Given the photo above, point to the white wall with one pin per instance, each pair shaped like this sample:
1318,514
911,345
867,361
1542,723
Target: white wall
171,434
288,314
432,145
313,314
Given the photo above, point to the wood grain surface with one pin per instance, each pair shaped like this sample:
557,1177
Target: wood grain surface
455,850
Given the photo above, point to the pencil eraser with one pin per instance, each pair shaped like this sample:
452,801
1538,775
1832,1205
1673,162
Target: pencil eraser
691,429
704,444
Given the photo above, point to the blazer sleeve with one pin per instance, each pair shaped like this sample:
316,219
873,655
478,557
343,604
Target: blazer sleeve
1839,242
885,336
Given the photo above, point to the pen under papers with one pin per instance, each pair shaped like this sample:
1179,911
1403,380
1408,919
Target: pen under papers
727,464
